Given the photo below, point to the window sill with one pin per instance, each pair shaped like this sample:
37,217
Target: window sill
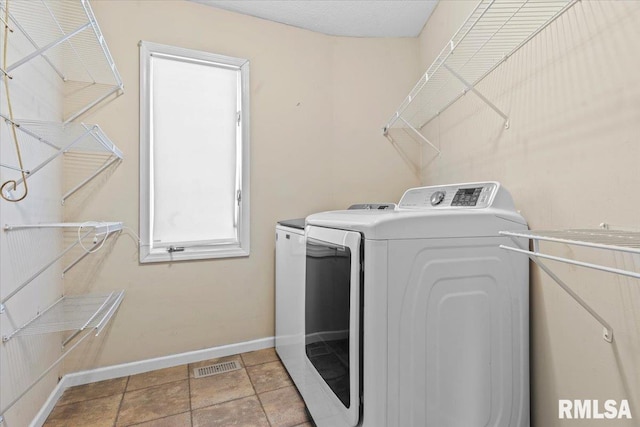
161,255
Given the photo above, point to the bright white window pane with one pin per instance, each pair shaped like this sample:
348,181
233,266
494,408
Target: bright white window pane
194,154
194,122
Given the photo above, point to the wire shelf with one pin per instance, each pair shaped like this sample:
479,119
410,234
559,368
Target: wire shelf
82,314
612,240
100,231
604,239
72,313
67,36
491,34
62,138
616,240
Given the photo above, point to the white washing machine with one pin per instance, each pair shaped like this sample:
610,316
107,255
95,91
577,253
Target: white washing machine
414,317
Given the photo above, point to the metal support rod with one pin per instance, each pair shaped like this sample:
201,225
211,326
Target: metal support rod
470,87
35,45
14,168
86,253
87,180
4,73
53,157
608,330
445,53
108,145
407,160
385,129
92,104
569,241
39,315
534,256
421,136
30,279
28,132
578,263
78,56
45,373
5,23
101,41
99,227
88,322
40,51
107,317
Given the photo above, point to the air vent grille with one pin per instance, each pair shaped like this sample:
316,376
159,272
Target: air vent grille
218,368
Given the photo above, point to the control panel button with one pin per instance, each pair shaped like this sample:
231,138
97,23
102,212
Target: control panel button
437,198
467,196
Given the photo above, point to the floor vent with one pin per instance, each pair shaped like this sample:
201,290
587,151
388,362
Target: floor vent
218,368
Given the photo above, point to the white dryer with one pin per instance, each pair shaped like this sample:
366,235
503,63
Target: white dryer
414,317
290,261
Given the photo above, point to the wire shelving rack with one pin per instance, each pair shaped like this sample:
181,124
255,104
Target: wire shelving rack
66,35
63,138
603,239
82,315
493,32
99,231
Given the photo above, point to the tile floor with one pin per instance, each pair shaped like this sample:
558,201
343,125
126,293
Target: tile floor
260,394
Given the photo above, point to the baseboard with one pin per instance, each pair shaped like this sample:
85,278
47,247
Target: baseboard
50,403
139,367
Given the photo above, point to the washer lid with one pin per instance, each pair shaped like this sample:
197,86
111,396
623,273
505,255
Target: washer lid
459,210
293,223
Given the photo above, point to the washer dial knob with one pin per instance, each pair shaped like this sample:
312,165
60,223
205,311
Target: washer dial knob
437,198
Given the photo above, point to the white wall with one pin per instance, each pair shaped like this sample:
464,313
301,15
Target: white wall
570,161
35,94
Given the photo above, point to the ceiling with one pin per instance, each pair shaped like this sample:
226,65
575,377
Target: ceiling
355,18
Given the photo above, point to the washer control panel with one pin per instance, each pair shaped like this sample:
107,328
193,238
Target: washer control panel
467,196
473,195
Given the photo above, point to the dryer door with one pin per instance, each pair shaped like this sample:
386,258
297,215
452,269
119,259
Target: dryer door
332,326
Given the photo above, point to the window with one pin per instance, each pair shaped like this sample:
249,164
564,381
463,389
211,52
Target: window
194,154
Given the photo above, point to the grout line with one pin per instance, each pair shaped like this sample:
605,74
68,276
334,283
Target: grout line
154,386
155,419
59,405
257,396
121,401
223,403
264,411
189,386
189,380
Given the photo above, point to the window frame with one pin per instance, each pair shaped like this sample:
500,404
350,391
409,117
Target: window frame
204,249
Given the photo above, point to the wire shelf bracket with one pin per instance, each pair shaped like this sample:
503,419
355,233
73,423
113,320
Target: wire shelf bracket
470,87
63,138
613,240
100,231
493,32
85,315
67,36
